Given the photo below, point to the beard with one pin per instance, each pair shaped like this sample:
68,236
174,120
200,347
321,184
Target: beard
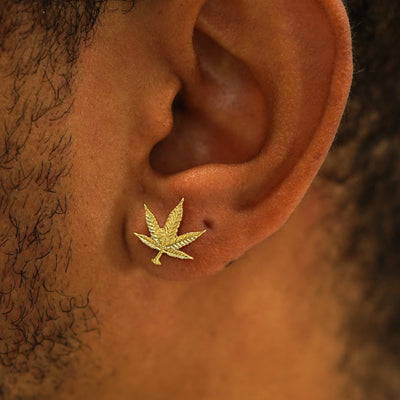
43,321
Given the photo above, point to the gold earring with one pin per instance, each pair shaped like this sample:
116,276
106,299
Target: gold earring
165,239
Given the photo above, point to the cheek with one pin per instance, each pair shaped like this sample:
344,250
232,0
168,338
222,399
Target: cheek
100,124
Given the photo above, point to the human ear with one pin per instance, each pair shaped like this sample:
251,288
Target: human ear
262,88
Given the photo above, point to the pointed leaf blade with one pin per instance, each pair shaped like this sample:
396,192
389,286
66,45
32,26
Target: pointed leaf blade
148,241
178,254
173,221
152,224
184,240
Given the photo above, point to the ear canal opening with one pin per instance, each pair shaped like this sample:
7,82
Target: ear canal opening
220,115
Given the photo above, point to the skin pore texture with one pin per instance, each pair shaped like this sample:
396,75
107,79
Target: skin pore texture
100,322
89,139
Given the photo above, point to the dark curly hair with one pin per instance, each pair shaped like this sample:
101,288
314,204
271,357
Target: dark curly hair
365,160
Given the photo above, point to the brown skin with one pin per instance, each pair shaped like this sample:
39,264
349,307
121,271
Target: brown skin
266,327
270,86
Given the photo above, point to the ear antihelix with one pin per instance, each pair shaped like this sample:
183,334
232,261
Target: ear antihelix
166,239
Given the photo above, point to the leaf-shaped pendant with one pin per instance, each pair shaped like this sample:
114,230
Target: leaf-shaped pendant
165,239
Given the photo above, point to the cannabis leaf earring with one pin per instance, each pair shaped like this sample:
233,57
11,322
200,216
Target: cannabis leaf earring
165,239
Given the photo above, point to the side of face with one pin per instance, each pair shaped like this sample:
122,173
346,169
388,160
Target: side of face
231,106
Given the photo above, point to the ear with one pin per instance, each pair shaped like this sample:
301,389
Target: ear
263,88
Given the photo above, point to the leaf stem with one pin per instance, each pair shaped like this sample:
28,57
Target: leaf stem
156,259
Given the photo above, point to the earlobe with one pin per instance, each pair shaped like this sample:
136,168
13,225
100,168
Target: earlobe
257,115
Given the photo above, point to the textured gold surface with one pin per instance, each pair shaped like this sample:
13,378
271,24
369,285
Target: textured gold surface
165,239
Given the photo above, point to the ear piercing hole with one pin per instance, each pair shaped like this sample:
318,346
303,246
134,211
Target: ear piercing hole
230,263
208,224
